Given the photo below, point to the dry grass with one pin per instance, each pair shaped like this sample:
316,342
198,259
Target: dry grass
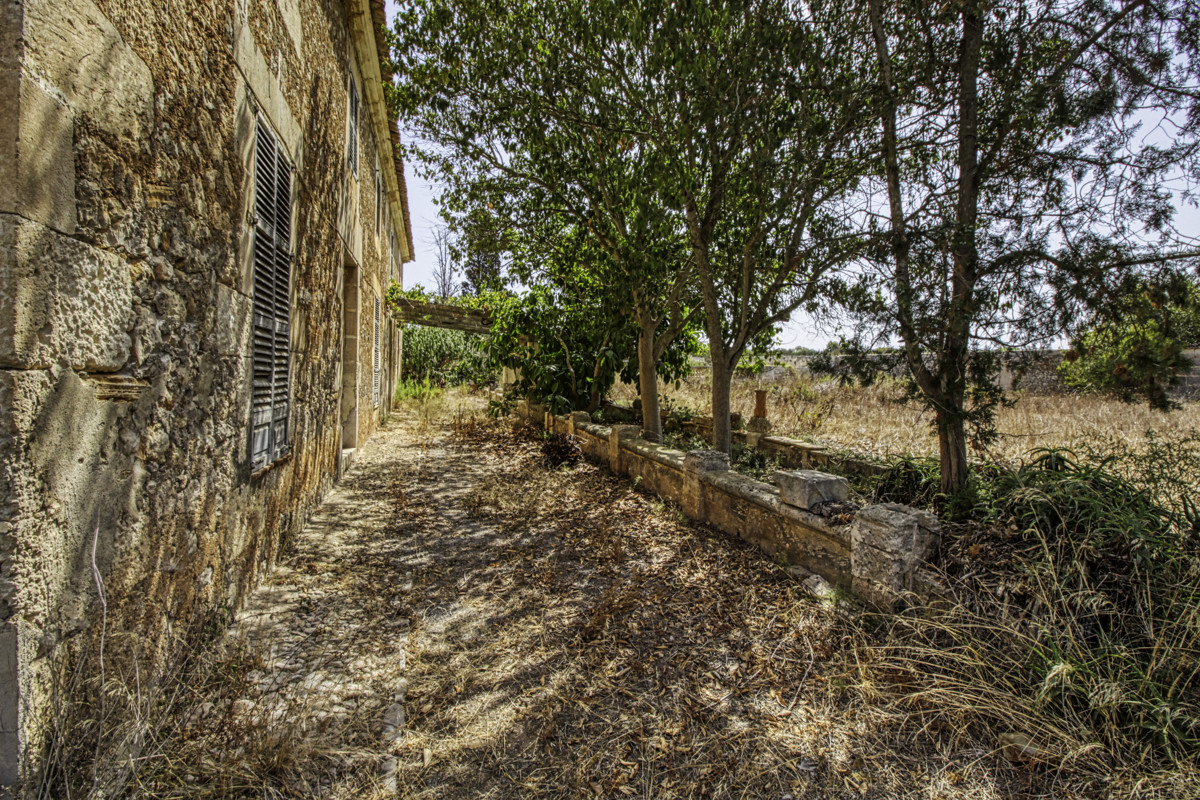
580,639
877,421
562,635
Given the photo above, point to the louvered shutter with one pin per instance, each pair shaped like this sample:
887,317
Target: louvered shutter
269,403
375,382
352,153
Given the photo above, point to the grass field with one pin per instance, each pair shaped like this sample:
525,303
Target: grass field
877,421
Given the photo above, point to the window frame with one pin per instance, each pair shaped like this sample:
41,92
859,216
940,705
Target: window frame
271,272
376,366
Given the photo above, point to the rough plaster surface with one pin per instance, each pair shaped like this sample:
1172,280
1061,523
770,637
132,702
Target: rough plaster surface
124,335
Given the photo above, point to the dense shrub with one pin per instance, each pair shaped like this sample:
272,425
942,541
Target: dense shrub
1139,354
1081,632
444,357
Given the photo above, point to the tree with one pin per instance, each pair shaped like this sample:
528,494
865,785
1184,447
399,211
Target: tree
1019,185
522,131
753,113
1138,354
707,147
444,285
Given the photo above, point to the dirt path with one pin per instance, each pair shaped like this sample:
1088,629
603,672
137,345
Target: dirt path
459,621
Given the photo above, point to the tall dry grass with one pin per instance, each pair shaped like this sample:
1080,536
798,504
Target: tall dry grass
878,421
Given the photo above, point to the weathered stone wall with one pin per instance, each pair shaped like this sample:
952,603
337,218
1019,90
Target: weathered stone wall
879,555
126,141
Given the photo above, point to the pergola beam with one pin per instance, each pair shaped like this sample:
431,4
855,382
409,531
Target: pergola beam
441,315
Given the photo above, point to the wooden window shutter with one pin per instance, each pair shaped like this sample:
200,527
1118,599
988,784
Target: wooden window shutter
377,360
271,392
352,154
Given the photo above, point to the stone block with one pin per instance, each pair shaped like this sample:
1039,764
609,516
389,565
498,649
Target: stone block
617,434
234,318
37,158
896,528
272,101
887,544
77,50
10,735
806,488
61,301
701,461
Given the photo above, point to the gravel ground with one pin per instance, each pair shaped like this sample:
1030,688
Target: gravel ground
461,621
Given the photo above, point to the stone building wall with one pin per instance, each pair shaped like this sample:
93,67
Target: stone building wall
126,292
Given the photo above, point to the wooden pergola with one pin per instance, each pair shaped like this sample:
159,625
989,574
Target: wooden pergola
441,315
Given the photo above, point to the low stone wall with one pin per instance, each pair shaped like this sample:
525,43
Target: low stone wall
878,555
794,453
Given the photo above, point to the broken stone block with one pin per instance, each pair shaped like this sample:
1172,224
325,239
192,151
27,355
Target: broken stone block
896,528
887,543
805,488
758,425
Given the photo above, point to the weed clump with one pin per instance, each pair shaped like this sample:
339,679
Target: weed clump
560,449
1078,633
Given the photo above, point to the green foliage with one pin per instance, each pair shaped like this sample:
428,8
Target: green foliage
568,349
1100,628
1020,189
1121,573
413,389
751,367
444,357
752,462
1139,354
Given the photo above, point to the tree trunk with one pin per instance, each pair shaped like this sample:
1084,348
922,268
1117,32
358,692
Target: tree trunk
721,377
956,344
648,380
952,448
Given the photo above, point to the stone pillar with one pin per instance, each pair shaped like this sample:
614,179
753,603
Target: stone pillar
576,419
620,433
887,543
695,464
